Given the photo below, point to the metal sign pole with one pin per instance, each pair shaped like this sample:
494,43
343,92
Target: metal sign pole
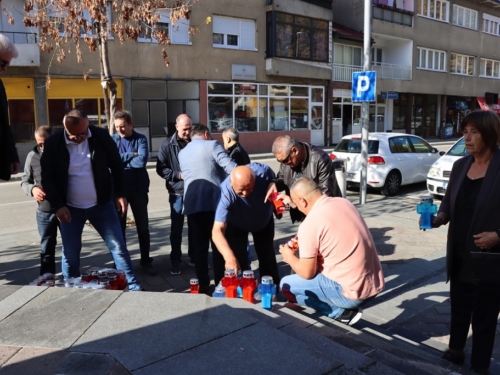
365,107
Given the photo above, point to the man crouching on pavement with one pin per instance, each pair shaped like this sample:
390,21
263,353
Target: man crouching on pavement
338,268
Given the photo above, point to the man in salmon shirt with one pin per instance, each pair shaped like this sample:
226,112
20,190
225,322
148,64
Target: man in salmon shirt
338,268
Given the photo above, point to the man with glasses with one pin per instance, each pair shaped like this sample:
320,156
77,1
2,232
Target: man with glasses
297,160
46,219
81,173
9,160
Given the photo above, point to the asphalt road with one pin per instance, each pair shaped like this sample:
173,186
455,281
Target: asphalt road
17,211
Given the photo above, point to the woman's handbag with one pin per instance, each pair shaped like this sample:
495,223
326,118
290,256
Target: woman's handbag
485,266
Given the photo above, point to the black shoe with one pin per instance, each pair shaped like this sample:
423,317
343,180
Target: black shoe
457,359
350,316
149,269
176,268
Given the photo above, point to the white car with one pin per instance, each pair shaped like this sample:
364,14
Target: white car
394,159
439,173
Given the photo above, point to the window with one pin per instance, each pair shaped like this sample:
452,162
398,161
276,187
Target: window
491,24
233,33
392,15
464,17
431,59
297,37
347,55
376,54
58,17
419,145
436,9
462,64
178,33
262,107
489,68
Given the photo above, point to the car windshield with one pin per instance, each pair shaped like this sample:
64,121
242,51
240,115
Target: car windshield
458,149
353,146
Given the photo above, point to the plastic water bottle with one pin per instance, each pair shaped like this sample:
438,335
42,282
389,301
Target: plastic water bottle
427,209
267,290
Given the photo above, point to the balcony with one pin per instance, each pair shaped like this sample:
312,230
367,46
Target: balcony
27,46
343,73
392,71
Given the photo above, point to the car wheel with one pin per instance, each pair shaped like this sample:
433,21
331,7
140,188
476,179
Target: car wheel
392,184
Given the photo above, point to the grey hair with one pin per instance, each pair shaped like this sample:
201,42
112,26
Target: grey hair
6,45
43,131
231,133
283,143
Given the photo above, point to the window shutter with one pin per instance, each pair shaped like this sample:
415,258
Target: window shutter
225,25
180,32
247,36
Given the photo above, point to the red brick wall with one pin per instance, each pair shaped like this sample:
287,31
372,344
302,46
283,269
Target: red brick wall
263,141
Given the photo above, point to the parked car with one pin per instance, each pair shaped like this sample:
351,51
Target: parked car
439,173
394,159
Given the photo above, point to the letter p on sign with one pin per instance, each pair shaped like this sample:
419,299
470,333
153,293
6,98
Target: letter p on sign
364,86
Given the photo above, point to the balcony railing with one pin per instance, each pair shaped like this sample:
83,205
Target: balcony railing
392,71
20,37
343,73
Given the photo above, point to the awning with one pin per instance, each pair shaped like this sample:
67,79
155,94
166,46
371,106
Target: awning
492,107
346,33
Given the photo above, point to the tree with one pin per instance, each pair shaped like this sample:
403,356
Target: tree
65,23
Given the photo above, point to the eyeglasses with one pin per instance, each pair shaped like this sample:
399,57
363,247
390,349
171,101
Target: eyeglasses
4,63
287,159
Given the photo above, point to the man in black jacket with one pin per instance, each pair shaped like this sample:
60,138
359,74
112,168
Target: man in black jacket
167,167
46,219
81,173
300,159
9,160
230,137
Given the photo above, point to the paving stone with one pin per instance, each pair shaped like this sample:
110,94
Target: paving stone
443,309
17,299
7,290
119,370
33,360
85,364
257,348
169,324
55,318
6,352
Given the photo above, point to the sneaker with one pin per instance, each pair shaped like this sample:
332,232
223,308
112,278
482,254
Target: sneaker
135,288
350,316
175,269
149,269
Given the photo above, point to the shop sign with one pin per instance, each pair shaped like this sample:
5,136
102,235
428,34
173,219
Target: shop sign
389,95
246,72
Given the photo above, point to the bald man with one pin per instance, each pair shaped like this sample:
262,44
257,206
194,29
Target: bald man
242,209
338,268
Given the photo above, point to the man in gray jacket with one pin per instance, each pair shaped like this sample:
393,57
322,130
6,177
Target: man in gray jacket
204,164
46,219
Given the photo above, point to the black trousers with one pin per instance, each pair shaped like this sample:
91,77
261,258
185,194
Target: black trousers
478,304
138,202
200,225
264,247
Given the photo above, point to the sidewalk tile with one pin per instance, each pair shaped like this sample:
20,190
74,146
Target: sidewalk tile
7,352
28,359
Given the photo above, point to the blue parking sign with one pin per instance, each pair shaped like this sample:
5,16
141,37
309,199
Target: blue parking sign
364,86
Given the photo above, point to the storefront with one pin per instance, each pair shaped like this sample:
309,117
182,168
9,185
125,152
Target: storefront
259,108
22,116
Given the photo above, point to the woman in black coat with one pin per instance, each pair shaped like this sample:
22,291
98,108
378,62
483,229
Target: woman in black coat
471,206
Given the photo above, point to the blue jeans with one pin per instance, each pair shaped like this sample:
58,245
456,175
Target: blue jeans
47,228
105,220
320,293
176,225
138,202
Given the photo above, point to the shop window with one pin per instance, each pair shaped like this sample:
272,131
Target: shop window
220,113
297,37
279,113
298,113
149,89
22,119
245,113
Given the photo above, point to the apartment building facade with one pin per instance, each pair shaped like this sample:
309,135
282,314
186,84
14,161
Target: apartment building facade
263,67
436,60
